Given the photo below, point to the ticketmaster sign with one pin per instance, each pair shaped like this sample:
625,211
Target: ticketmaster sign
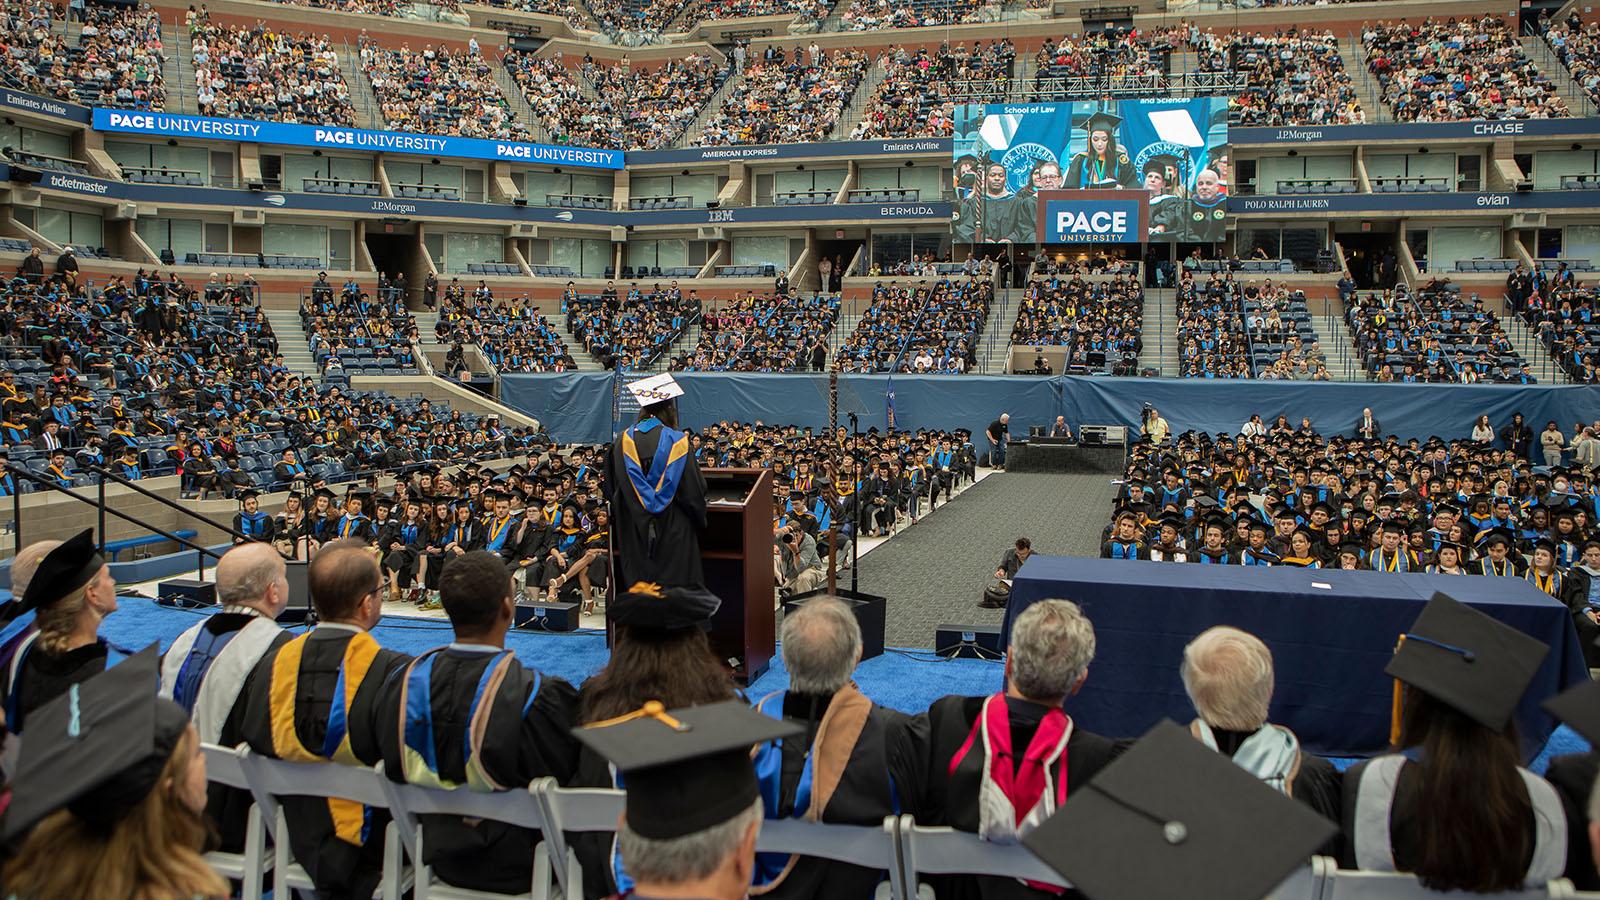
283,133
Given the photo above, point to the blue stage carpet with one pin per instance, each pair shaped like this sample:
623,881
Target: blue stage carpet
907,680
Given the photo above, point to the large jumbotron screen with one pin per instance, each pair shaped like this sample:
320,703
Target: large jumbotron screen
1008,155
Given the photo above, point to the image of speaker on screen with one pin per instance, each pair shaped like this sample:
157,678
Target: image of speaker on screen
1166,208
988,214
1103,164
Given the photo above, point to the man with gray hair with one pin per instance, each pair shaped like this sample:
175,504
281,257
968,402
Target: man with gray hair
1228,675
854,750
207,670
998,766
16,622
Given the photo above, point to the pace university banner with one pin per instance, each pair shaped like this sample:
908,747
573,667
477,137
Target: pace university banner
283,133
1172,150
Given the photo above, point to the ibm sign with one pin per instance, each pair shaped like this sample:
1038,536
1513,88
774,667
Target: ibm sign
1094,220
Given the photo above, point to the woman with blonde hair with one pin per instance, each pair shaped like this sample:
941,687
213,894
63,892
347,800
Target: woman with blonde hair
71,592
112,784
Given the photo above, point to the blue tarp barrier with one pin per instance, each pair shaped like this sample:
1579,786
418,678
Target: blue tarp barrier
577,407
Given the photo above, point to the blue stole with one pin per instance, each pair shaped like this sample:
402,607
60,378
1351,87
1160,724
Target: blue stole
1120,550
823,514
408,534
656,486
497,539
347,524
205,650
418,724
250,526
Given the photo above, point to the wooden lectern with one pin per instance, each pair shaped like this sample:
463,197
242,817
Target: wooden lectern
736,551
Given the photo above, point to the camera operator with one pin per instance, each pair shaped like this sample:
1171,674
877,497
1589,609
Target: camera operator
1154,427
796,564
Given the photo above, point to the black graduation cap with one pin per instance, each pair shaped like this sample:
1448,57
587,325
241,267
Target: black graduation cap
1496,536
1102,121
324,492
1395,526
98,749
1172,819
63,570
1468,660
246,494
685,770
1579,707
648,605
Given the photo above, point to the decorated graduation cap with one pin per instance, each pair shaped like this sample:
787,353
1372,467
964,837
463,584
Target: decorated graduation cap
655,389
1470,661
649,605
1173,819
98,749
63,570
684,770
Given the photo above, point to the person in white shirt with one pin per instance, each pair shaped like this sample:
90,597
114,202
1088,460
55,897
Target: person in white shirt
1254,428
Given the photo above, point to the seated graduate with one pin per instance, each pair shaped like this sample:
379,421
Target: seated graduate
659,651
207,670
470,716
957,741
693,807
1228,675
71,592
1171,820
250,521
1573,775
315,699
851,766
110,795
1452,805
1125,542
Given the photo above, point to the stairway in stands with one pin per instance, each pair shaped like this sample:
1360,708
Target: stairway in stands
712,106
1578,101
362,98
1160,347
518,101
292,341
1368,91
177,68
994,343
1540,362
859,101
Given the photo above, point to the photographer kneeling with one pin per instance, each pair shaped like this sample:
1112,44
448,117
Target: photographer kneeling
796,564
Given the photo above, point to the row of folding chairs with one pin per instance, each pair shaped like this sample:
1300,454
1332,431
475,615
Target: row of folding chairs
900,847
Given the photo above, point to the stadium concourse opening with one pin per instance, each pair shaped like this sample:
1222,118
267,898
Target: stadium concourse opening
394,248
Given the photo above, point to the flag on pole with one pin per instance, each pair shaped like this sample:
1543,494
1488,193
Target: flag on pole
888,399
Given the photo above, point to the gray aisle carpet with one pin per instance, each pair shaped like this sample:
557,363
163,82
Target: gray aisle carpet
935,572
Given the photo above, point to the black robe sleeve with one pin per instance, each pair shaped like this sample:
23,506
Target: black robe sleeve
1573,777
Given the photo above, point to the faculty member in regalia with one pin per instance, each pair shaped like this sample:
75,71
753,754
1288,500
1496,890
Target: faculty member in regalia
659,499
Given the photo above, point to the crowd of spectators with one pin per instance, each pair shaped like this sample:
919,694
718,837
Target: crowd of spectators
1295,77
1100,322
1432,335
1563,313
514,336
348,321
1104,54
764,333
116,62
1578,46
805,11
1450,70
916,97
630,107
262,73
872,15
563,9
630,330
925,327
1212,342
1273,320
787,97
439,91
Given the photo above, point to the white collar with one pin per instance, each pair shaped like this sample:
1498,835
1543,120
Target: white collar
339,626
468,647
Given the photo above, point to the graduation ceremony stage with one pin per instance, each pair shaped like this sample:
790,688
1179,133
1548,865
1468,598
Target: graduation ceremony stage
1331,633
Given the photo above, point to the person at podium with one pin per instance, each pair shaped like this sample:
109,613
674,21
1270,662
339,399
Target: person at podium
658,498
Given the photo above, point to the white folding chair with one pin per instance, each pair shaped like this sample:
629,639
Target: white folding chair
272,779
250,867
928,850
859,845
1350,884
1307,882
519,807
577,810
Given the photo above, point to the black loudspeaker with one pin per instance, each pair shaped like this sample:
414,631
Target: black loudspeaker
869,610
537,615
971,641
186,593
26,176
299,608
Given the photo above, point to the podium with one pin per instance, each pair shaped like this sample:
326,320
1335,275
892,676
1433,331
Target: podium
736,553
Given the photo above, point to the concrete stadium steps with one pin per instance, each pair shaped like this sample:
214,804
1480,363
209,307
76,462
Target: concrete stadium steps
1540,362
177,70
519,103
292,341
1338,345
368,113
842,329
1160,348
857,107
994,342
713,105
1578,102
1368,91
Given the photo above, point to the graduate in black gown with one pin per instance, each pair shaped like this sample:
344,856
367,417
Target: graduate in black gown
251,522
1452,805
71,592
470,716
658,499
290,712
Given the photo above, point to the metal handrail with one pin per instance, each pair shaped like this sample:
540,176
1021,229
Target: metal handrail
103,472
16,512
